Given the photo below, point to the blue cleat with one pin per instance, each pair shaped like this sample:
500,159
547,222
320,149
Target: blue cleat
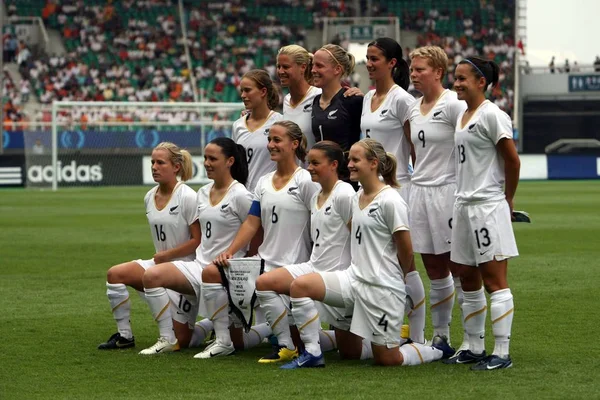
441,343
465,357
492,362
306,360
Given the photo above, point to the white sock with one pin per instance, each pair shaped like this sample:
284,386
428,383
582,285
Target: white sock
118,297
217,308
502,311
158,301
367,351
327,340
416,354
416,316
306,317
460,299
475,310
441,298
202,330
256,335
259,316
277,316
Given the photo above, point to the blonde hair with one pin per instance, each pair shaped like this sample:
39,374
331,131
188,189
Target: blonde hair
295,133
262,80
180,157
341,57
300,56
435,55
387,162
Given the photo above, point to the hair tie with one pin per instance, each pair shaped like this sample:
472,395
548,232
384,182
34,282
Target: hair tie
334,59
475,66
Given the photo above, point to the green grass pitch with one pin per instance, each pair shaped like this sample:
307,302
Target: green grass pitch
55,249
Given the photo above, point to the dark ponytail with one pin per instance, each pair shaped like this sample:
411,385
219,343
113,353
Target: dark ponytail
239,169
486,69
391,49
333,152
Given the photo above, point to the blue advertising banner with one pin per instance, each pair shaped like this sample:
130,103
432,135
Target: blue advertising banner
584,83
573,166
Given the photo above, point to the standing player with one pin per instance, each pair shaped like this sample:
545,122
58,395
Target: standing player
222,207
260,97
330,215
172,213
373,285
334,116
384,118
433,183
487,176
294,67
282,207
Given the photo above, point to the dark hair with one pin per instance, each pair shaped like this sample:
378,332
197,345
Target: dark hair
333,152
239,169
263,80
482,68
391,49
295,133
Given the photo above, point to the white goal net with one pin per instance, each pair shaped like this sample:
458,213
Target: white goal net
109,143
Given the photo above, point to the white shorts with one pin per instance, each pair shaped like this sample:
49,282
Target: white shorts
377,312
482,232
297,270
184,308
404,191
431,210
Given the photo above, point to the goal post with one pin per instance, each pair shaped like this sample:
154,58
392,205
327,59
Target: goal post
109,143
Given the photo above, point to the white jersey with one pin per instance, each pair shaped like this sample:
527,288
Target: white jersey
170,226
255,142
386,125
329,231
433,137
301,113
220,222
285,218
480,168
374,253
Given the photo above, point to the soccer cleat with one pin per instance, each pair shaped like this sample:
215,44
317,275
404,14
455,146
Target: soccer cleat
441,343
521,216
281,354
306,360
160,347
492,362
465,357
216,349
117,341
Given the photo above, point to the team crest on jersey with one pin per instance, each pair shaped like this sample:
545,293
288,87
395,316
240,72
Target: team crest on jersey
267,131
332,115
224,207
471,128
173,210
372,211
307,108
437,116
292,190
383,112
328,211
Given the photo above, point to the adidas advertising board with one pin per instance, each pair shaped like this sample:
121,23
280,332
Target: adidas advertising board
85,170
11,171
198,174
239,279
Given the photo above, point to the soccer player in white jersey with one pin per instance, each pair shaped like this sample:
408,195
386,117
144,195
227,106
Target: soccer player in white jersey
330,214
487,176
294,68
384,118
173,217
281,205
260,98
373,286
433,183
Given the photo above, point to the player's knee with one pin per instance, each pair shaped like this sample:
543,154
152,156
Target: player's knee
264,282
115,275
300,288
151,279
211,274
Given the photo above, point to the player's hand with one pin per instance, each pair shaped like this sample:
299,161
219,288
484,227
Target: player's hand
221,260
244,113
353,91
161,257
